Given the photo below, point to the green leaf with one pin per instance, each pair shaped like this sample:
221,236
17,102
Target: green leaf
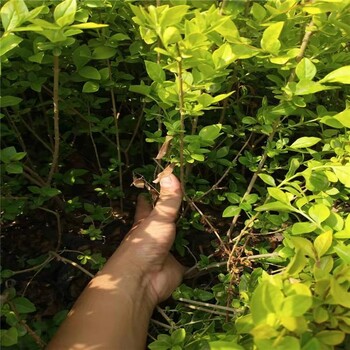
330,337
119,37
50,191
178,336
304,142
14,168
230,211
269,41
8,43
296,305
173,15
203,295
205,100
244,51
171,35
294,165
13,13
224,345
89,25
278,194
64,13
338,294
275,206
302,245
258,11
339,120
323,242
155,71
223,56
305,69
267,298
244,324
34,189
307,87
319,212
140,89
81,56
9,337
303,227
343,251
7,154
340,75
103,52
91,86
90,72
198,157
228,30
343,118
9,101
315,181
23,305
210,132
297,263
221,97
268,179
37,58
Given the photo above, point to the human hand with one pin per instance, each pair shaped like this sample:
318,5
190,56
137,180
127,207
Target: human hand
145,250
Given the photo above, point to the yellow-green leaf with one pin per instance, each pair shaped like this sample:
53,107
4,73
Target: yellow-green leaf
269,41
89,25
340,75
323,242
319,212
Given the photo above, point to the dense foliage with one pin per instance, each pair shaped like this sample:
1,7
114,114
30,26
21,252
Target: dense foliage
248,101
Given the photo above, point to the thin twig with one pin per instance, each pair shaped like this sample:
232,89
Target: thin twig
210,311
71,262
182,118
213,306
32,179
56,150
161,324
80,115
165,316
303,46
37,136
34,174
116,115
224,107
36,267
262,256
253,179
215,186
94,146
212,228
36,338
223,5
137,127
15,130
59,226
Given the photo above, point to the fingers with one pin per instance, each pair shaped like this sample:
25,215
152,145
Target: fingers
143,208
169,200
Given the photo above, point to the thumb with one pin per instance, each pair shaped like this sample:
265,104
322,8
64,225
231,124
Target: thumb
169,200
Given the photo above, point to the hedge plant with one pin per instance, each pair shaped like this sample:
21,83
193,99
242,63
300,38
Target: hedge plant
247,102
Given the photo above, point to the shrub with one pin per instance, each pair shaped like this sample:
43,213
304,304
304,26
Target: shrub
249,103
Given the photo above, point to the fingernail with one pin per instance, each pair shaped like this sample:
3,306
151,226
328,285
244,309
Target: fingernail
166,182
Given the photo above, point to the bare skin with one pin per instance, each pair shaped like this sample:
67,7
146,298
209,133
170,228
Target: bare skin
114,310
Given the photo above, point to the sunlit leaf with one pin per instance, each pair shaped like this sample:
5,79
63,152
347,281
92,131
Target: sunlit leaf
340,75
323,242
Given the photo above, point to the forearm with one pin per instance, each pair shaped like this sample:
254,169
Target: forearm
113,312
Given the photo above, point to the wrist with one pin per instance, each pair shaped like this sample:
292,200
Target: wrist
130,280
